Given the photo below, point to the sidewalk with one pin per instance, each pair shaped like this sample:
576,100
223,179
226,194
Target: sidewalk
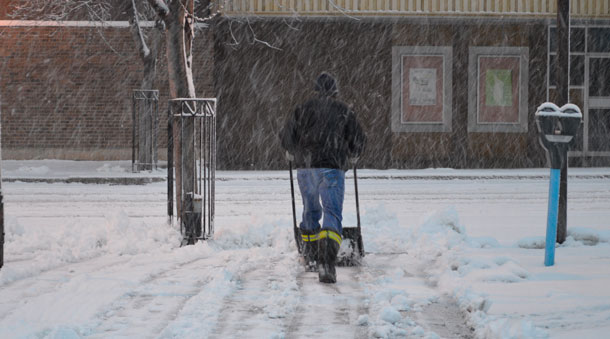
119,173
68,171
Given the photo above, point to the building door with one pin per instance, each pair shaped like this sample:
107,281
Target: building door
597,114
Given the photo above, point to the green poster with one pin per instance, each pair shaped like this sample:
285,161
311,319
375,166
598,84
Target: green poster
498,87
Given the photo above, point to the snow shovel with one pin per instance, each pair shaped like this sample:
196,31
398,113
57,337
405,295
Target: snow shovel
352,248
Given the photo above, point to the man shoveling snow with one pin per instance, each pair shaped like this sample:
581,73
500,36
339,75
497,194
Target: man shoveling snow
321,137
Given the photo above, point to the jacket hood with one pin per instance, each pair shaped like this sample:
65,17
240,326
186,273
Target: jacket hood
326,85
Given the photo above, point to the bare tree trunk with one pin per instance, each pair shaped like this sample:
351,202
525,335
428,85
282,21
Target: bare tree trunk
179,37
179,33
179,41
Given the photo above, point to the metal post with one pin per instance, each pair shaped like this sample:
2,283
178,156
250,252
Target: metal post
170,163
134,132
563,97
1,204
1,230
188,175
551,225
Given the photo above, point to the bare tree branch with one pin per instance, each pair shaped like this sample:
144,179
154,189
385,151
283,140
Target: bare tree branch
256,40
60,10
160,7
136,31
211,14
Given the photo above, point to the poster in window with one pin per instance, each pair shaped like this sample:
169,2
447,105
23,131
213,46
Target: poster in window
498,83
422,89
422,86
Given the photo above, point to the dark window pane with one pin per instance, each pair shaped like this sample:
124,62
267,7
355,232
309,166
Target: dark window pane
553,40
577,98
599,130
552,70
577,70
552,95
599,39
599,77
578,144
577,39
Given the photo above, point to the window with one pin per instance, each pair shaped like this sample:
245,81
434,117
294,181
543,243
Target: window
421,89
498,89
599,39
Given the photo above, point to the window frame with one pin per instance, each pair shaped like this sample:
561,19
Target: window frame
474,56
400,126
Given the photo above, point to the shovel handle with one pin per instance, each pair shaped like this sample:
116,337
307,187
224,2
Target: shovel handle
294,213
360,242
357,200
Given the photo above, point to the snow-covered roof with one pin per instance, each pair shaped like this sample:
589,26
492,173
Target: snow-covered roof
591,8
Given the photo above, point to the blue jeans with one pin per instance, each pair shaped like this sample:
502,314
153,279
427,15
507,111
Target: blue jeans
328,185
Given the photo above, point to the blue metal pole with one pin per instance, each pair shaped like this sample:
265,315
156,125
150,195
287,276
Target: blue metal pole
551,226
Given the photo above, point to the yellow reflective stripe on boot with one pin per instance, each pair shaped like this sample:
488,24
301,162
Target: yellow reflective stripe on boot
310,237
330,234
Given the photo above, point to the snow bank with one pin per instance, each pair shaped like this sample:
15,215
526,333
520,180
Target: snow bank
116,234
449,260
257,233
383,231
576,237
580,236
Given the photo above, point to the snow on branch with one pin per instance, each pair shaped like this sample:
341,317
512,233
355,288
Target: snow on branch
160,7
136,30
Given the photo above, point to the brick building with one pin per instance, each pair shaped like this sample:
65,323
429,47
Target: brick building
436,83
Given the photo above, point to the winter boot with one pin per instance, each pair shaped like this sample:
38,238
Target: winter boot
328,247
310,249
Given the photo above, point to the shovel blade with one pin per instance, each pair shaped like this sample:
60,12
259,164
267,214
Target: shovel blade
351,251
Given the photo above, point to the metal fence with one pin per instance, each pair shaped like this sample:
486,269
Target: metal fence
191,151
145,116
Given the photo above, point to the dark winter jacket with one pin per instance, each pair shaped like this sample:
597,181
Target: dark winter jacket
323,132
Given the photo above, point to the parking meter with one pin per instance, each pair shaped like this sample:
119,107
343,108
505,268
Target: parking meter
557,128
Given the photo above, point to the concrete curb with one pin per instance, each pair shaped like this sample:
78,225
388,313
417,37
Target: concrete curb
100,181
150,180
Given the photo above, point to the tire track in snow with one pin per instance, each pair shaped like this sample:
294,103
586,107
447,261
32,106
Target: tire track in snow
265,295
156,301
37,273
329,310
48,281
119,314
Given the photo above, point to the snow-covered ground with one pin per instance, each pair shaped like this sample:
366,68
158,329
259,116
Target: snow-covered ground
450,253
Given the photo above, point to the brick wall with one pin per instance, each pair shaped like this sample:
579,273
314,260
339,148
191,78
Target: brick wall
65,92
